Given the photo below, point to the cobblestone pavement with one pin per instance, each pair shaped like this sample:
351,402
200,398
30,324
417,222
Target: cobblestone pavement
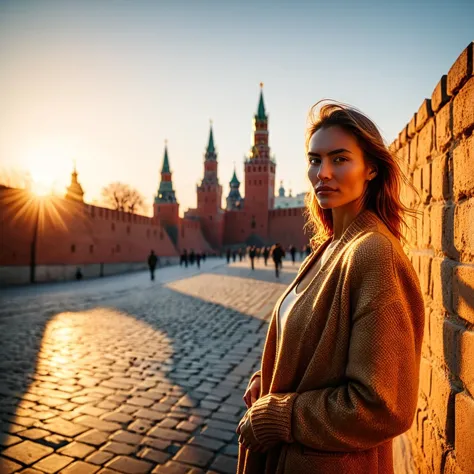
127,375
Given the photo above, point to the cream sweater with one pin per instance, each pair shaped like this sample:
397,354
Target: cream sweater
343,381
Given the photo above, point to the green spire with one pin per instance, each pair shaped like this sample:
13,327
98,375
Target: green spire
166,164
234,181
261,115
210,146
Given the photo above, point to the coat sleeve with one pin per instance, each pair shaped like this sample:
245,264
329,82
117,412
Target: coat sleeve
378,398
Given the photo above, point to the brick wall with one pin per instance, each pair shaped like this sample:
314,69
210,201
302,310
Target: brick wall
437,151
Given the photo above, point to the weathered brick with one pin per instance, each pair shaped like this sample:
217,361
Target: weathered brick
423,114
425,273
463,225
440,96
463,168
466,356
463,109
403,136
412,126
463,292
425,376
426,227
440,178
464,446
441,283
413,156
442,229
460,70
426,183
441,400
444,127
436,335
425,143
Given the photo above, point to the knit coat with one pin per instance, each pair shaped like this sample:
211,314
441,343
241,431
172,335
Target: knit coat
342,381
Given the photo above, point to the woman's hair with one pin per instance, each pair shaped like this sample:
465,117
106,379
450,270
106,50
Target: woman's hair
383,192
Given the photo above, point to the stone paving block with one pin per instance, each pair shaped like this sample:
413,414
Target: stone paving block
119,448
7,466
126,437
149,454
172,467
148,414
140,402
93,437
129,465
107,405
8,440
209,443
187,426
97,423
194,455
172,435
118,417
64,427
218,434
156,443
91,410
34,433
55,441
225,464
27,452
140,426
231,450
80,467
99,457
30,470
77,450
168,423
53,463
222,425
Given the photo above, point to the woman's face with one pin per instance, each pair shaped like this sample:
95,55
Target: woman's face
336,161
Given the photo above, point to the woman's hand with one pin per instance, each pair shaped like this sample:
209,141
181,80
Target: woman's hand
252,393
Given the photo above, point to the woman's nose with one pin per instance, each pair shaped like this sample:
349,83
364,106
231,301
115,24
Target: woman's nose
324,172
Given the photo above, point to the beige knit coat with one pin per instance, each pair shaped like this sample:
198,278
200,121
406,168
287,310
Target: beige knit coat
343,380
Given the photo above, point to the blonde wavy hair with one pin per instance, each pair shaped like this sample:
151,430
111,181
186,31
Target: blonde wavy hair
383,192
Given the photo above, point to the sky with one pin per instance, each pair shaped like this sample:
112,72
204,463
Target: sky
105,83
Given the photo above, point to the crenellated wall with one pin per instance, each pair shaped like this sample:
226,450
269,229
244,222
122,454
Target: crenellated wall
437,151
72,234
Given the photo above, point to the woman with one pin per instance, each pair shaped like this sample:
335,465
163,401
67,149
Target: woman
339,375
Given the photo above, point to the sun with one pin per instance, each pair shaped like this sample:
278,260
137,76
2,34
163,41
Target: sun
41,184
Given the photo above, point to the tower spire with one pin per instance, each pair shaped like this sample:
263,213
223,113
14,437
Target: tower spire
165,191
166,164
261,114
210,146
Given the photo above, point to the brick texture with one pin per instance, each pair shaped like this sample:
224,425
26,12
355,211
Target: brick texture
437,151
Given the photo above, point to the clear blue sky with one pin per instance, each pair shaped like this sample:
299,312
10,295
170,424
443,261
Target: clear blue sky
106,82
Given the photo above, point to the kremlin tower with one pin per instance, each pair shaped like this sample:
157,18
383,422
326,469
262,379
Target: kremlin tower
209,197
74,190
165,207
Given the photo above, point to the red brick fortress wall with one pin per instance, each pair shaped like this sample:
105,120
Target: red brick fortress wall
437,150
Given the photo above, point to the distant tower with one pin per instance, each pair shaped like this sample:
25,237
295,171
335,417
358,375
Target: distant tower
234,199
165,207
209,198
281,190
74,190
259,176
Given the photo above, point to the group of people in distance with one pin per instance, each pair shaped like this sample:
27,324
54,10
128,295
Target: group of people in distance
276,252
188,258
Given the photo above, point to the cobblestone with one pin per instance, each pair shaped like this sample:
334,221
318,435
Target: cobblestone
127,375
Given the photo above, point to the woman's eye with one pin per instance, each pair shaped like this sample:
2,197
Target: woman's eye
314,161
340,159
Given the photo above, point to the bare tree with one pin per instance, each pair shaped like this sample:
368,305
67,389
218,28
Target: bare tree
122,197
